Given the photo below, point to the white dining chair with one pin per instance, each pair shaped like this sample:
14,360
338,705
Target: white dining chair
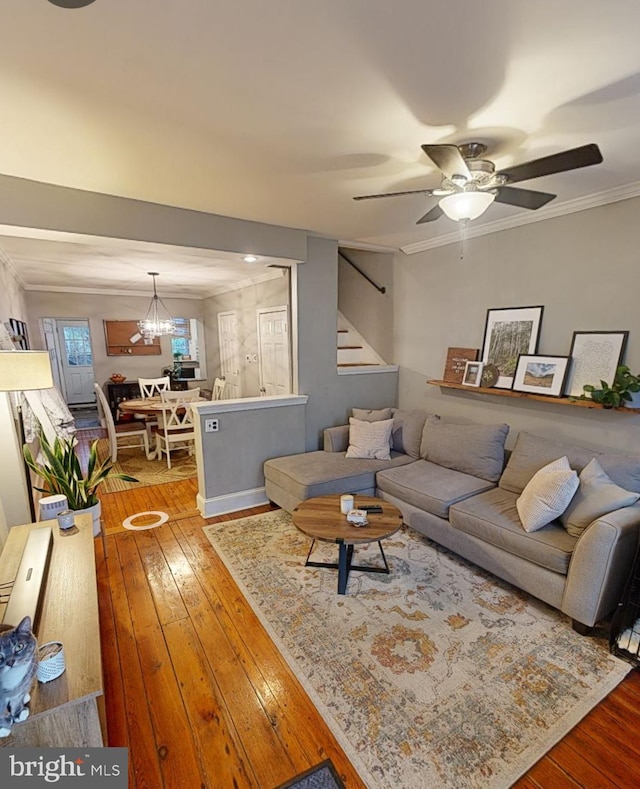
218,389
152,387
118,434
176,426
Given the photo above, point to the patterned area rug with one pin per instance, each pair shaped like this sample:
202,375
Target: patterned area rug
148,472
437,675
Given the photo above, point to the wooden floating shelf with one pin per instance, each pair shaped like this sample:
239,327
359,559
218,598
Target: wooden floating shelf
528,396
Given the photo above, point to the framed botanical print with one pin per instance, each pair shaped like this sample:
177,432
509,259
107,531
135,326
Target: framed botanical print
510,332
595,356
543,375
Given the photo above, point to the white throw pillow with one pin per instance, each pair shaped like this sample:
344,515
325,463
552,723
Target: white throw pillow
547,494
596,496
369,439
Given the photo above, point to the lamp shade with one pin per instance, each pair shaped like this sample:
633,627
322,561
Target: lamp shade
25,370
466,205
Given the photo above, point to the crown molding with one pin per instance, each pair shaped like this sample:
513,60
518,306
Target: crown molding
626,192
10,266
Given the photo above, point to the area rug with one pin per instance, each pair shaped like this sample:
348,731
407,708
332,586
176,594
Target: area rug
437,675
148,472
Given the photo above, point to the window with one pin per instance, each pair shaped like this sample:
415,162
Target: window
77,346
180,340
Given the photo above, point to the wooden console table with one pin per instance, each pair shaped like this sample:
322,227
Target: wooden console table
67,711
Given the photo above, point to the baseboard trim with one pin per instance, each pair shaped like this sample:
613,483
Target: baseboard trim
231,502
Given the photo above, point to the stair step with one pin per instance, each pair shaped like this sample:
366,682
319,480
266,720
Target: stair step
358,364
350,347
343,331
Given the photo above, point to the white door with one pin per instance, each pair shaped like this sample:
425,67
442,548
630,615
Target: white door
275,352
51,344
229,353
76,360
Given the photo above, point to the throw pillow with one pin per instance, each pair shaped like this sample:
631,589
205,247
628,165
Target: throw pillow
407,431
597,495
547,494
472,449
371,414
369,439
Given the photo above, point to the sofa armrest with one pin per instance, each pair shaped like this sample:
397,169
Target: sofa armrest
600,565
336,439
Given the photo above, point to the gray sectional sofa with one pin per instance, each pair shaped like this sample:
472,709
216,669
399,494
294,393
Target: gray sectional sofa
452,484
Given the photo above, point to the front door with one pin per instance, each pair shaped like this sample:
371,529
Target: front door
229,353
76,360
275,357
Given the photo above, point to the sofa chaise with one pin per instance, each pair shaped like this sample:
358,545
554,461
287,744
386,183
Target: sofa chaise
452,485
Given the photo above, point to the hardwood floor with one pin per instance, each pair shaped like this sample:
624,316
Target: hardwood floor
201,697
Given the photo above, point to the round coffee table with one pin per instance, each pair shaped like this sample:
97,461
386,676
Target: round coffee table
320,518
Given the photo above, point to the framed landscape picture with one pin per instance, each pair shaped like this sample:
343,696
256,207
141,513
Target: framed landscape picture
510,332
595,357
543,375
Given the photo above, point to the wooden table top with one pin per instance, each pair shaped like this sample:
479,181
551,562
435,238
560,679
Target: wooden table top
321,519
147,405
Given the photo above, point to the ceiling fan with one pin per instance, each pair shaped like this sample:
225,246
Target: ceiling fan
470,183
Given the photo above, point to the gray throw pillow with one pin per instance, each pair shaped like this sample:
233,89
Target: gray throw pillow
596,496
472,449
407,431
371,414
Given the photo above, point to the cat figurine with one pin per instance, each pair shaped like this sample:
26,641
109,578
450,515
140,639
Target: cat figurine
18,665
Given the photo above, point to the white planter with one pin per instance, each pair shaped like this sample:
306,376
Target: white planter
95,512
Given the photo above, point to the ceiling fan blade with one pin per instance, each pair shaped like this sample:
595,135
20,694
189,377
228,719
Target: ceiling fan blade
427,192
523,198
449,159
572,159
431,216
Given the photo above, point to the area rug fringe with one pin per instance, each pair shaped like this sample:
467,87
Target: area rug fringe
438,638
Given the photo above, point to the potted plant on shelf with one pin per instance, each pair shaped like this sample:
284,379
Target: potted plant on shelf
620,393
62,474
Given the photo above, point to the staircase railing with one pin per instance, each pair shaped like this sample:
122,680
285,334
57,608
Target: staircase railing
379,288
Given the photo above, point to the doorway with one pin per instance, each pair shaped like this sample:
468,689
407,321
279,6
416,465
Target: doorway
274,351
68,341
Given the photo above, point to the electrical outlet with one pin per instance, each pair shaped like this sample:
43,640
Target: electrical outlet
211,426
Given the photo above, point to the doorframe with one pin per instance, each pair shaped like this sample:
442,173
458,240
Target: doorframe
58,372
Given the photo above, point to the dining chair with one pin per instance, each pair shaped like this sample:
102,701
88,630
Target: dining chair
218,389
176,426
152,387
118,433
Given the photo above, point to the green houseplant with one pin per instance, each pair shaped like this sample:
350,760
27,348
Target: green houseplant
624,386
62,473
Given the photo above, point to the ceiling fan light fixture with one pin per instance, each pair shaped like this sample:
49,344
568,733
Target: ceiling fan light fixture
71,3
155,324
466,205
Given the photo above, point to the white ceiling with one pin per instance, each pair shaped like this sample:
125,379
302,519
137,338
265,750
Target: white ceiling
282,111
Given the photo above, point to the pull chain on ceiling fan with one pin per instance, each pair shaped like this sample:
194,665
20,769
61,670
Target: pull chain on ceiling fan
471,184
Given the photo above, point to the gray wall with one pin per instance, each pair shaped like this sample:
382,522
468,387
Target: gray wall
245,301
369,311
96,309
582,267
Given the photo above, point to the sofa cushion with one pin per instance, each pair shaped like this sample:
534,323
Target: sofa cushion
429,486
531,453
369,439
319,473
547,494
477,450
492,516
406,433
597,495
371,414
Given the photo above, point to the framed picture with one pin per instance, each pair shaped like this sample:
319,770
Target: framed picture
456,360
19,334
545,375
595,357
472,374
509,332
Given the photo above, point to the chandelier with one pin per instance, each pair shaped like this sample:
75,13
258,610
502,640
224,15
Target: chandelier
156,325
